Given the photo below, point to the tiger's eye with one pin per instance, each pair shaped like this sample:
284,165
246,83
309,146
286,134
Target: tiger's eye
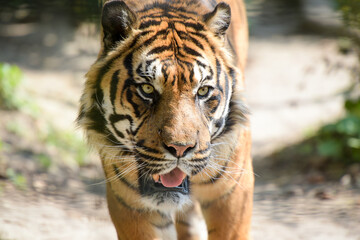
203,91
147,88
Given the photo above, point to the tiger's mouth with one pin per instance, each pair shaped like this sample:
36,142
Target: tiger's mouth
174,181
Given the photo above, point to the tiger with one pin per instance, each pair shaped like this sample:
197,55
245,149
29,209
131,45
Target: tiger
164,107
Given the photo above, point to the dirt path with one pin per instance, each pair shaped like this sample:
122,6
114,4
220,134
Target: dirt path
281,212
301,97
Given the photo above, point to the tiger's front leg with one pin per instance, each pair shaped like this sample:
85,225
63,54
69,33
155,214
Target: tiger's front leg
136,223
190,223
229,218
226,201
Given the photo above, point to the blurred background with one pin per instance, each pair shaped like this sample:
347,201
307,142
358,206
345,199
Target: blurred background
303,89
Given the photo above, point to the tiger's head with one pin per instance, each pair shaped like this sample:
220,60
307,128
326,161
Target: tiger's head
160,94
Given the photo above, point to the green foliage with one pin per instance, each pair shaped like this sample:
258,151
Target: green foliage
44,160
350,11
68,144
340,141
16,178
353,106
10,80
345,44
16,128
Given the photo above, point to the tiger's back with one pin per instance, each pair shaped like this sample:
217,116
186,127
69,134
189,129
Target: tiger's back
163,106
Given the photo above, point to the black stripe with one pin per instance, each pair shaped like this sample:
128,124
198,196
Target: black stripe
191,51
205,39
182,77
183,223
98,121
197,160
129,81
200,64
115,142
185,35
217,176
134,133
233,118
123,180
127,84
207,204
149,23
136,38
232,74
122,202
218,74
141,145
198,169
166,225
108,65
227,88
114,118
196,42
186,63
195,26
113,87
144,157
214,98
158,50
164,72
154,38
142,71
120,117
135,106
208,148
191,77
219,124
128,64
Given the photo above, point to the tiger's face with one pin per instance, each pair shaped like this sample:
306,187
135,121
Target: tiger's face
162,93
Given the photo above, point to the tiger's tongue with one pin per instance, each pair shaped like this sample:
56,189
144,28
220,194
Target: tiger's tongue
173,178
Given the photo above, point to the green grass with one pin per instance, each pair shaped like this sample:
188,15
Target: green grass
44,160
16,128
70,145
16,178
58,147
10,80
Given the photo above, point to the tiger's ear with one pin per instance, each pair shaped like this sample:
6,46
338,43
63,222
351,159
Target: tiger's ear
117,22
218,21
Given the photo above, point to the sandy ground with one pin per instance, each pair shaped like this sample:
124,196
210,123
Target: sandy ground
293,87
294,84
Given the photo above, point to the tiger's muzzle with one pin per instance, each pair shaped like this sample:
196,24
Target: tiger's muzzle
175,181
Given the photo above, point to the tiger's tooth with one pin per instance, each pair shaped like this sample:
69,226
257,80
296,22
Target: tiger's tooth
156,177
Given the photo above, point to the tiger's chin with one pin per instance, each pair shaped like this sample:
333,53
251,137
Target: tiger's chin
158,195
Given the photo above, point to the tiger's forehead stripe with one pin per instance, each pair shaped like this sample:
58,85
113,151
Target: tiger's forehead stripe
194,37
187,42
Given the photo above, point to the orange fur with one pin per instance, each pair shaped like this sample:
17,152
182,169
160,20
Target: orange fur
177,52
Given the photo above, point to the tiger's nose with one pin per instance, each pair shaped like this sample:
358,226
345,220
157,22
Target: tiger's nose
179,150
